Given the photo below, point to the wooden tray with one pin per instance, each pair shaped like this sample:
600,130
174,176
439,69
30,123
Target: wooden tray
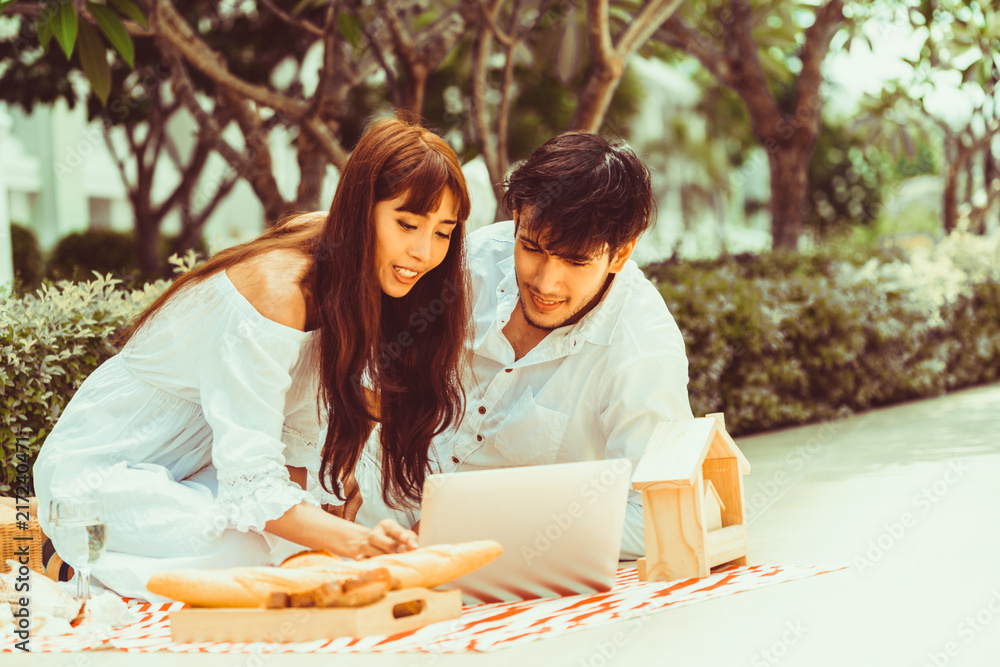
385,617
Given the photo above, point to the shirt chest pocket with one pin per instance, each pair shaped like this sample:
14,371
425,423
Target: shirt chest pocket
530,434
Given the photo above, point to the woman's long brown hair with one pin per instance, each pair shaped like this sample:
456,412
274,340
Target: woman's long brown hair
406,350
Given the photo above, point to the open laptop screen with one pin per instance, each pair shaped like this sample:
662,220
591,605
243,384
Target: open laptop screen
560,526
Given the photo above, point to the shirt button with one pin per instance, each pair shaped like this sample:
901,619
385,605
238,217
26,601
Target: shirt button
482,410
479,438
454,459
508,370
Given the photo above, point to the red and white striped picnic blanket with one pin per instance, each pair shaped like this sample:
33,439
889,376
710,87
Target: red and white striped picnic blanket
480,628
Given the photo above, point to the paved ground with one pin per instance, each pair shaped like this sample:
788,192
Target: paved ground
907,497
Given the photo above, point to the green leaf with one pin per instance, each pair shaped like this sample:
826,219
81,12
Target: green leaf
350,27
129,9
94,58
114,30
43,25
64,27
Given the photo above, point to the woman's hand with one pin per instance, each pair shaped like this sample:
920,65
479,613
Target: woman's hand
315,529
388,537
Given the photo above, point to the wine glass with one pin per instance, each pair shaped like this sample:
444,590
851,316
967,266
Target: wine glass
79,533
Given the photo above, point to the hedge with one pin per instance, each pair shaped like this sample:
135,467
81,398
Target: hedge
29,266
773,341
776,344
79,254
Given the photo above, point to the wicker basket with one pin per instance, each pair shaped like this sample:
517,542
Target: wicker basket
12,539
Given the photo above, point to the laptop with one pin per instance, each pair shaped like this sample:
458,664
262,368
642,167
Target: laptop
560,526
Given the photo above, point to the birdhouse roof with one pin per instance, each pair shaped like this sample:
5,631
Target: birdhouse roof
677,450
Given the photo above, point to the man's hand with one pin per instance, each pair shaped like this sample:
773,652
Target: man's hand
352,492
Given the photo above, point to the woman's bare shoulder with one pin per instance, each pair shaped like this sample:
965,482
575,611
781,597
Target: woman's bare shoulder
271,283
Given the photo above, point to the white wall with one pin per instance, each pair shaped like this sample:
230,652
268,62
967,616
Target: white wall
6,258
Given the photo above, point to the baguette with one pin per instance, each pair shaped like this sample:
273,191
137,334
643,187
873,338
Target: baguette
356,590
255,586
427,567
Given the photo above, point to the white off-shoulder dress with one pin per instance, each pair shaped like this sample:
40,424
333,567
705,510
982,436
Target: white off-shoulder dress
185,436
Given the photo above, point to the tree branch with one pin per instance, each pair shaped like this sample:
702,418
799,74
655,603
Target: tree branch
190,173
400,37
308,26
224,189
241,163
174,30
173,153
488,13
420,54
815,49
765,114
163,117
481,51
676,34
653,14
326,72
376,47
506,87
189,176
543,9
439,38
143,176
122,170
599,29
333,148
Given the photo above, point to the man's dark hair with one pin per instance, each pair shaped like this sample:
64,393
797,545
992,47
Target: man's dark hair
585,194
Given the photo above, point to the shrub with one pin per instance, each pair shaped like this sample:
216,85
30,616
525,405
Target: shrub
29,267
80,254
50,341
772,346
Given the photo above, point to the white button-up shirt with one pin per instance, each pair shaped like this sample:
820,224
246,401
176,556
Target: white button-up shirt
588,391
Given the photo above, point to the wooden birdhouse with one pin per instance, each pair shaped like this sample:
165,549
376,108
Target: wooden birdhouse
691,479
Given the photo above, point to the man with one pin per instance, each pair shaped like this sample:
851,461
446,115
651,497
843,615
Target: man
574,355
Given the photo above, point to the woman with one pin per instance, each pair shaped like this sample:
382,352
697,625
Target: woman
201,435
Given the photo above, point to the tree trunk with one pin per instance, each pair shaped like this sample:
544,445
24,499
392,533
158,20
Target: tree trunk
595,98
992,180
949,205
147,223
970,179
789,196
147,237
414,92
190,233
312,169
